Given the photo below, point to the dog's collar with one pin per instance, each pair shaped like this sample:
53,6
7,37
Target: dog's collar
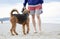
27,14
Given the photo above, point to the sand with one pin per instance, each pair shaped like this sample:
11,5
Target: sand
49,31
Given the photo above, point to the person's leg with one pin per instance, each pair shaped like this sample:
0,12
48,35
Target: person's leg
38,12
32,12
34,23
39,22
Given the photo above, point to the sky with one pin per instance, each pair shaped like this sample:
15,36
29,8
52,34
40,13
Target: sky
20,1
9,1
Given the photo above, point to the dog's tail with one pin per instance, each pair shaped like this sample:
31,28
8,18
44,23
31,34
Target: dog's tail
14,10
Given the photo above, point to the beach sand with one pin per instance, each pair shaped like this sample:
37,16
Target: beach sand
49,31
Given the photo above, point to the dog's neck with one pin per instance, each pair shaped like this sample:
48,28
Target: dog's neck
26,14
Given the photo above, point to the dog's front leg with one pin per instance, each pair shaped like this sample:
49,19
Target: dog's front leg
24,29
27,23
27,28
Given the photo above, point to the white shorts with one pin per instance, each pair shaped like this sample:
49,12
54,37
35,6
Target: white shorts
38,12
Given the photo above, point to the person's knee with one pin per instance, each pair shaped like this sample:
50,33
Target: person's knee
33,16
38,16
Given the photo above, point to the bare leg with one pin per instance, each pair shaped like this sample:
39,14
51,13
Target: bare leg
39,22
33,21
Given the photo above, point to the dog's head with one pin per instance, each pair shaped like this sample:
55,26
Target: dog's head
25,11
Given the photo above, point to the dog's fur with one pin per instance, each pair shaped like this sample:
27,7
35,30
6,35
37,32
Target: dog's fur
21,19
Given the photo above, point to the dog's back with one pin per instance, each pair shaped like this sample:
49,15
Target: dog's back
21,17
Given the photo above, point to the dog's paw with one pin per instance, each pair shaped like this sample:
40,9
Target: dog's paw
27,32
16,33
12,34
24,33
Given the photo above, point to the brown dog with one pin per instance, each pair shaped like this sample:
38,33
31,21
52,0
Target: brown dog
21,19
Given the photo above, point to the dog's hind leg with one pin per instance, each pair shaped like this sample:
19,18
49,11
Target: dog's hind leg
14,29
12,23
11,30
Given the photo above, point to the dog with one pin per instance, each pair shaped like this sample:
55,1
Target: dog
20,19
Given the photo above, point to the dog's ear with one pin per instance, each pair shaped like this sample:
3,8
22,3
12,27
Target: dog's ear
23,9
28,11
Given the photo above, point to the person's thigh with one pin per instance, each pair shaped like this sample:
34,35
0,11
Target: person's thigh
32,12
38,12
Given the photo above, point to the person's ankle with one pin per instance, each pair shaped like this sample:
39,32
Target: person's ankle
35,31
